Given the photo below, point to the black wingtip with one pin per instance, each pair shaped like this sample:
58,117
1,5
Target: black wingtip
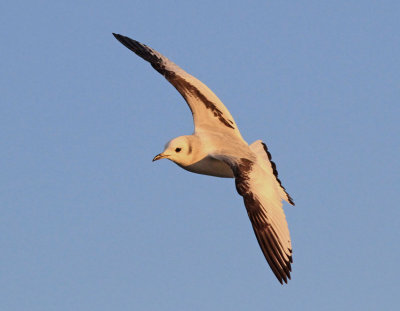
117,36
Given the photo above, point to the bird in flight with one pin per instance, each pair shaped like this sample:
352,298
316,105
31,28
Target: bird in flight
216,148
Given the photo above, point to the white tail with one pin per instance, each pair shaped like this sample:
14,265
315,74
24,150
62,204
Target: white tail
261,150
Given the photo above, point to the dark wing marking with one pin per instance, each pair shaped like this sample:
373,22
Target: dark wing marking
208,111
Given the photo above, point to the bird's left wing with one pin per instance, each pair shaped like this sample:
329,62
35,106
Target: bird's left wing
209,113
258,187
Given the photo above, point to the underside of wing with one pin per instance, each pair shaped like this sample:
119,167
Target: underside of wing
264,208
209,113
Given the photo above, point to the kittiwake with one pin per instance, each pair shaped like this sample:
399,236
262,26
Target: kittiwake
217,148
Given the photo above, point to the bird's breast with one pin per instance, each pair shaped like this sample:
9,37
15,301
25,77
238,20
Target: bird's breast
210,166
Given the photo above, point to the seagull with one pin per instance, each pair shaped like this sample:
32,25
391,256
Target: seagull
217,148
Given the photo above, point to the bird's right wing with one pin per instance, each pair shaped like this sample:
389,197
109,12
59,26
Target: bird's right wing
258,187
209,113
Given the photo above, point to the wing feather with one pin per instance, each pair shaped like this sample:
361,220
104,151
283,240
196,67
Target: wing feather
264,208
209,113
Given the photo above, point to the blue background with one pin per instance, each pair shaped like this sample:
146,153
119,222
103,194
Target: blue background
88,222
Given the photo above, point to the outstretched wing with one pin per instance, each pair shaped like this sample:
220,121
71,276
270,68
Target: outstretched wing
209,113
263,202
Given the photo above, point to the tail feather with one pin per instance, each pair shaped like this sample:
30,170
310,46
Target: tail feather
261,150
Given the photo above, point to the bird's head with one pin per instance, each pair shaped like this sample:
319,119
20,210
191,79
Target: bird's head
178,150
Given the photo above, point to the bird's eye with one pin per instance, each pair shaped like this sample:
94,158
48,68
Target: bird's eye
178,149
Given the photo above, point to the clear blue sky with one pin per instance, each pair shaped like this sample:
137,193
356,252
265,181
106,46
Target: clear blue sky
88,222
